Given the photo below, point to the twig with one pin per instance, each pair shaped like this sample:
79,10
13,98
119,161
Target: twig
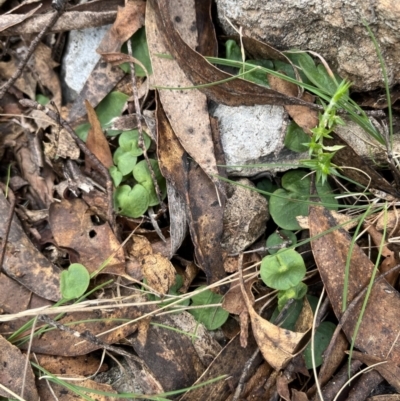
244,375
140,129
95,162
59,9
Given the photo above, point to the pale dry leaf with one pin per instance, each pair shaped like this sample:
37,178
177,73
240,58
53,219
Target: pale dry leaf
159,272
141,247
186,110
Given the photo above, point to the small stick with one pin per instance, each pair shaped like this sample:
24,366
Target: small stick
95,162
59,9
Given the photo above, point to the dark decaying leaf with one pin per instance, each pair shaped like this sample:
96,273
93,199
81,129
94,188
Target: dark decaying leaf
59,342
170,355
24,263
203,210
186,110
74,227
13,364
378,332
230,362
200,71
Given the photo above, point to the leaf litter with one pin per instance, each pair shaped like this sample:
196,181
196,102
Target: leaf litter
149,301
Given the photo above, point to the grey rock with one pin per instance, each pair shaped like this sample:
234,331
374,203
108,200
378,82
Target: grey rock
332,28
253,135
79,59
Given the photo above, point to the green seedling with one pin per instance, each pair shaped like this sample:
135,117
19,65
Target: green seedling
74,281
125,156
42,99
141,173
211,317
284,202
280,239
283,270
133,201
296,292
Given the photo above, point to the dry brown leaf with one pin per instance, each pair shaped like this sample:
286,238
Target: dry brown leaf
70,20
24,263
44,67
14,297
391,221
277,345
129,19
199,71
390,260
63,343
229,361
204,214
141,247
234,303
26,83
13,363
169,354
186,110
389,370
16,18
72,227
96,140
159,272
60,144
378,333
68,395
83,365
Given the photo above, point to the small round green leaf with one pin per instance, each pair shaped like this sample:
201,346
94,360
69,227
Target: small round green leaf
323,336
116,175
129,142
125,161
280,240
212,317
142,175
283,270
132,202
74,281
292,200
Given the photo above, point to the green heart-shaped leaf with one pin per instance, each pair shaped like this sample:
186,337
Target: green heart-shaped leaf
74,281
132,202
283,270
